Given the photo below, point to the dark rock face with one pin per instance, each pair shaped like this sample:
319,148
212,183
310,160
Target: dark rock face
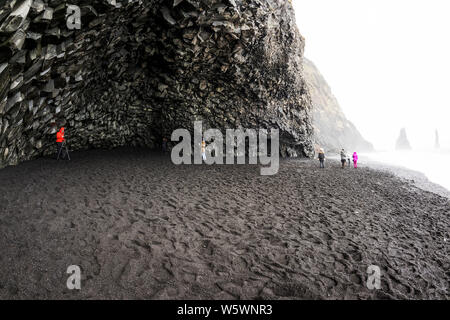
402,141
135,72
332,130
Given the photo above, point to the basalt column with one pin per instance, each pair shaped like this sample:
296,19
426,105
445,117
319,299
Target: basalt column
134,72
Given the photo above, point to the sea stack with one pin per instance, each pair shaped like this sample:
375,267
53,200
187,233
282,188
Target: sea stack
402,141
437,144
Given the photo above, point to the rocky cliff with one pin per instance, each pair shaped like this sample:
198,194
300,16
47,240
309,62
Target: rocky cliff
136,70
332,129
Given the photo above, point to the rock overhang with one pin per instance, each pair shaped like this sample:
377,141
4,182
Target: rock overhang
136,71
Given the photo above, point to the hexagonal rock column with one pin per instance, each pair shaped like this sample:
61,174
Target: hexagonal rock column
136,71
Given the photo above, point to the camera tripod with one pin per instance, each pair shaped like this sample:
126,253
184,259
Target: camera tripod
63,146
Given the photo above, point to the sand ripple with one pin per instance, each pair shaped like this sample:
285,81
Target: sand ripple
140,227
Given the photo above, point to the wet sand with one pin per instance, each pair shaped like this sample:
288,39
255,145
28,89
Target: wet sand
141,227
414,177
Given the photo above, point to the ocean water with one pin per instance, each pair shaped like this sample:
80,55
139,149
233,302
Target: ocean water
434,164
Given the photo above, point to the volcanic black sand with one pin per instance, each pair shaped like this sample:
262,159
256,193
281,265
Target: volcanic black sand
141,227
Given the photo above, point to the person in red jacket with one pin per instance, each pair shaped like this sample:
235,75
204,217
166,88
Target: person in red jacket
59,142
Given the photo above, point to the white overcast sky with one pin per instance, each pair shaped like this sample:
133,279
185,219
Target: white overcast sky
386,61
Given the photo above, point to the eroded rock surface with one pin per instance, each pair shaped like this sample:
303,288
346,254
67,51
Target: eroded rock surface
332,130
136,71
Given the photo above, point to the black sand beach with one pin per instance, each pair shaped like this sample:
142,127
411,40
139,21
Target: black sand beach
141,227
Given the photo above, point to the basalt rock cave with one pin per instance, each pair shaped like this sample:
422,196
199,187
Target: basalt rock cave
136,70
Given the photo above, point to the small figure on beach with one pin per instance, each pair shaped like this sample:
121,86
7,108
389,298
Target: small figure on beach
343,158
203,150
348,161
355,160
164,145
322,158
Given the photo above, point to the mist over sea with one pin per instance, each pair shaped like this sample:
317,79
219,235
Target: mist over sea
434,164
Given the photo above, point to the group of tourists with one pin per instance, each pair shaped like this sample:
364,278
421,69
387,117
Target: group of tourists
344,159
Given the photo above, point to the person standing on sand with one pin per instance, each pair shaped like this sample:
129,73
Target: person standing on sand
355,160
343,158
203,150
59,143
321,158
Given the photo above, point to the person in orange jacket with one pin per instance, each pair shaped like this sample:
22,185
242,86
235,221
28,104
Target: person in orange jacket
59,142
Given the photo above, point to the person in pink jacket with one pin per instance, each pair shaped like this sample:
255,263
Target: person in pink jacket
355,160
